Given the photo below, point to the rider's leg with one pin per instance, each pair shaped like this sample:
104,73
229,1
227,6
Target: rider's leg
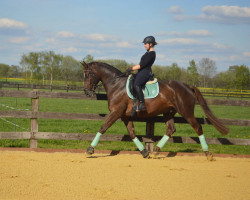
140,97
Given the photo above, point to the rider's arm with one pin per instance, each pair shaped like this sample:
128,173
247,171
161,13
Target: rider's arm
136,67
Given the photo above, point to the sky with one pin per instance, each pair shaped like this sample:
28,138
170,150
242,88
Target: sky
114,29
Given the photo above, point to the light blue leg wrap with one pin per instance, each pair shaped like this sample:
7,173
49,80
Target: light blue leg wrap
96,140
203,143
163,141
138,144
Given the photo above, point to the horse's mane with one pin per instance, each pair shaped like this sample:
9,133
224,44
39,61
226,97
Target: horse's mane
110,68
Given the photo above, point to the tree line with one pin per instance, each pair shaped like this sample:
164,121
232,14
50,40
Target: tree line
46,67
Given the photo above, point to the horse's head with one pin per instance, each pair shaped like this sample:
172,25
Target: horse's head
90,79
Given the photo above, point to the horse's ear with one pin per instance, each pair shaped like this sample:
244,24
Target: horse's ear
84,64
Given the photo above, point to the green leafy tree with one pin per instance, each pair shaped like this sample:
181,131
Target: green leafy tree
193,76
242,77
25,64
69,68
224,80
122,65
52,64
88,58
15,71
160,72
174,72
4,70
31,66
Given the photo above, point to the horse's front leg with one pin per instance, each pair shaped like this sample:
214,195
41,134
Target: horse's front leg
170,129
110,120
131,130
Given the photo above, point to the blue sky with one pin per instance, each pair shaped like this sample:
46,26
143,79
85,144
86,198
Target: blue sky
115,29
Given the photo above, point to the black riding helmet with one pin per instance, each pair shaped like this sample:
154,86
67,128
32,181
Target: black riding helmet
149,39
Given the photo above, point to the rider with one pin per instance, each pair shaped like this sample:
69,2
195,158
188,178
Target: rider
144,70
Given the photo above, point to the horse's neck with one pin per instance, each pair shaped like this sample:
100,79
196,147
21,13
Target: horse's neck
108,82
108,79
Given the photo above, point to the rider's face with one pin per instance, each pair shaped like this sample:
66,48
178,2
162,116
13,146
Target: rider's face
147,46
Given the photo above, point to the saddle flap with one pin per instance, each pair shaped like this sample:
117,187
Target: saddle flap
150,90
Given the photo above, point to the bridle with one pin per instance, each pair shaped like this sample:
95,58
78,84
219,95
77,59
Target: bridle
92,84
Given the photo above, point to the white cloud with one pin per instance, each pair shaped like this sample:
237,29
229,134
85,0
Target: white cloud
191,33
124,45
100,37
226,14
65,34
246,54
69,50
176,10
178,13
181,41
50,40
93,51
220,46
199,33
234,57
9,23
158,55
19,40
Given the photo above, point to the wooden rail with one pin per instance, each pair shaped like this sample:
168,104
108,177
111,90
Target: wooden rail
205,92
149,138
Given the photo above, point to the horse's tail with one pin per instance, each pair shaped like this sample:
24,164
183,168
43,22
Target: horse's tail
214,120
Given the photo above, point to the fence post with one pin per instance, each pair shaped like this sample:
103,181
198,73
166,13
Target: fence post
33,120
150,127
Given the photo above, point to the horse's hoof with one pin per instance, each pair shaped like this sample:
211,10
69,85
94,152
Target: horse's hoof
210,156
90,150
145,153
156,153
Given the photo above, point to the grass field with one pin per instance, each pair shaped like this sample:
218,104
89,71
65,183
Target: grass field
92,106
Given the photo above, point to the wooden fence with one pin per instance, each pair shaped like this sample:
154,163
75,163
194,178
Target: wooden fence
243,94
149,138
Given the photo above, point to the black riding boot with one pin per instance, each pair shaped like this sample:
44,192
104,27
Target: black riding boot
140,97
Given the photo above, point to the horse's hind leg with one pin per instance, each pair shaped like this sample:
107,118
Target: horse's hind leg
198,129
131,130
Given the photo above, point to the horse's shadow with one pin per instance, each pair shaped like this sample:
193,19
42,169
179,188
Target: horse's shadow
112,153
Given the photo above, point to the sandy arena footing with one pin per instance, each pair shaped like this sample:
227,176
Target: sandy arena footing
71,174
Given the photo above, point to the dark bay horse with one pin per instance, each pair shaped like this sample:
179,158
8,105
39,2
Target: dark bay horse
174,97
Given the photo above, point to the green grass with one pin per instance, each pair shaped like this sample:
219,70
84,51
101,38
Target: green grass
92,106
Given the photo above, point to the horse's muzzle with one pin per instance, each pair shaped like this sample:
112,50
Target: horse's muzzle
89,93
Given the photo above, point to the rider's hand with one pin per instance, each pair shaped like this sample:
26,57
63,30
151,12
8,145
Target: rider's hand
129,69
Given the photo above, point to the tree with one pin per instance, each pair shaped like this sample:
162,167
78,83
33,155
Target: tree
34,65
174,72
88,58
242,77
207,69
160,72
225,80
4,70
31,66
24,63
193,76
69,68
52,62
15,71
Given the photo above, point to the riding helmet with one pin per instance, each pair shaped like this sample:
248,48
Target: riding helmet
149,39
